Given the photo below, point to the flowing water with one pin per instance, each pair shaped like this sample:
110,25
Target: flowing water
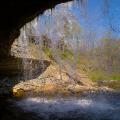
88,107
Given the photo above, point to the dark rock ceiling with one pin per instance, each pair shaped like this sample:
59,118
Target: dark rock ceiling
15,13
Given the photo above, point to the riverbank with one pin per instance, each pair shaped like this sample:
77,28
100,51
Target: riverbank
53,82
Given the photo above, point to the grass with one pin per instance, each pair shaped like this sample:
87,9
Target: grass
115,77
110,80
98,75
66,55
48,52
101,75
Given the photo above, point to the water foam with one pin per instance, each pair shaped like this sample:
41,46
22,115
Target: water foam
87,109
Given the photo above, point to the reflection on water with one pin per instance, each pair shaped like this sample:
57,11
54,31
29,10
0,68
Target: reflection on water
84,108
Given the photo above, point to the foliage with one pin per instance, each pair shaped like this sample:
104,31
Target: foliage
66,55
48,52
103,61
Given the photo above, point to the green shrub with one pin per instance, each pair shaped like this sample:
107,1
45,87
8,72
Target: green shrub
66,55
48,52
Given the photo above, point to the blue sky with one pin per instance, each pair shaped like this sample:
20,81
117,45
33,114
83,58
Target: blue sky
94,18
97,20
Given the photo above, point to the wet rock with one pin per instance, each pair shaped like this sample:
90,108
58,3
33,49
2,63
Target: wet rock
5,86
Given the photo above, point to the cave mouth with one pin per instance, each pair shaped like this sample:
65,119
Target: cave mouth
68,34
40,40
64,65
69,38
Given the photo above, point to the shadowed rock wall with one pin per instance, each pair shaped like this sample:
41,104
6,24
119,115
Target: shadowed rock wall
14,14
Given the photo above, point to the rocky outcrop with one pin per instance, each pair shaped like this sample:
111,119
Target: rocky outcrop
52,82
14,72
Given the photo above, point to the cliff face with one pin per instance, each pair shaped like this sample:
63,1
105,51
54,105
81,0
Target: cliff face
14,14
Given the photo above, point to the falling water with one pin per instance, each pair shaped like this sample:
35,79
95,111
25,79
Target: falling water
65,36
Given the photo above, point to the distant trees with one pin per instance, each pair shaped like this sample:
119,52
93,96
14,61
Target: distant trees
109,54
102,61
46,41
60,37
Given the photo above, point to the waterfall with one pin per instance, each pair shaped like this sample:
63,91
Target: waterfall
64,35
56,35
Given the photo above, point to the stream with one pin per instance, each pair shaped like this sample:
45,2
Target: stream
88,107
